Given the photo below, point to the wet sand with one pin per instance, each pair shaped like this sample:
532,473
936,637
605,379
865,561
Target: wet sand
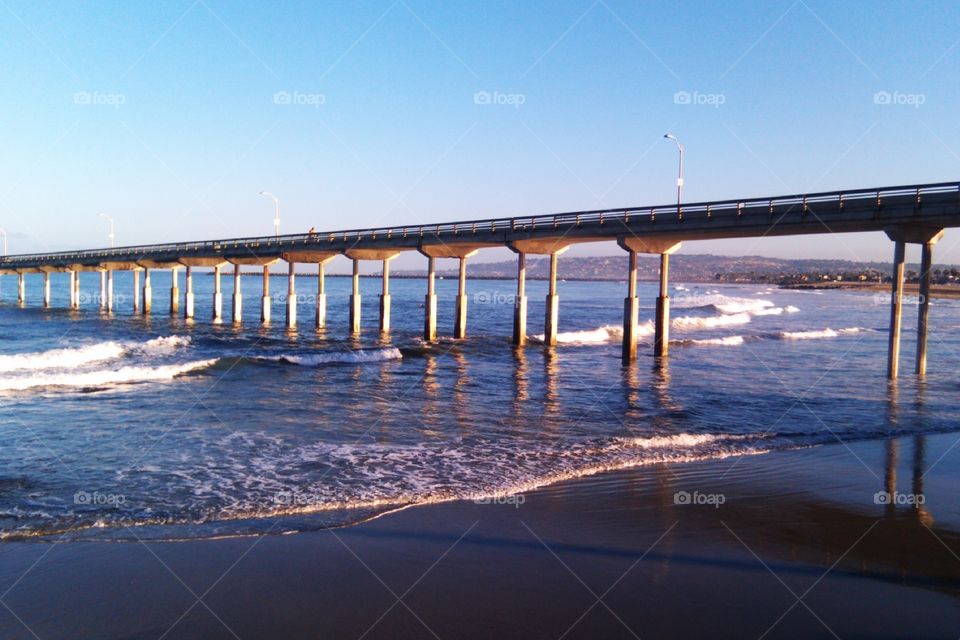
783,545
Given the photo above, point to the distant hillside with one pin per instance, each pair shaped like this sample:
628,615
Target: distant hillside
683,268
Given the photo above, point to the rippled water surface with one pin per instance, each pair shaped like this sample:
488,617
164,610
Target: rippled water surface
122,427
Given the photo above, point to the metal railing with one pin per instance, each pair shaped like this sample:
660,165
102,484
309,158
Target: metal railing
454,231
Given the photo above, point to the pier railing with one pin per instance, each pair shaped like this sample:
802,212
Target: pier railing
717,211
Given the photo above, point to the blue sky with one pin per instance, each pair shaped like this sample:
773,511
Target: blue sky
172,116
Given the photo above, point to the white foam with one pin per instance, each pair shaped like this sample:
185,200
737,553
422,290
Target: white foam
791,309
822,333
361,356
769,311
741,305
728,341
602,334
709,322
61,358
161,345
103,377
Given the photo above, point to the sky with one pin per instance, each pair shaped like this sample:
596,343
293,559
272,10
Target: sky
171,117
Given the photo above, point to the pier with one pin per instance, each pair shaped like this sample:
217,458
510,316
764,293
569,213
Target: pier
913,214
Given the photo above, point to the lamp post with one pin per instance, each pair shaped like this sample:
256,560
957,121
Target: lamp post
670,136
3,232
111,236
276,212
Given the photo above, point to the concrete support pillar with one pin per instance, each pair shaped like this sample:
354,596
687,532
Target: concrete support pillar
385,299
896,310
430,303
136,291
21,290
552,312
46,289
74,289
217,296
109,290
631,313
661,337
520,303
460,320
291,296
174,292
321,319
265,298
147,293
355,299
237,296
188,296
926,264
103,289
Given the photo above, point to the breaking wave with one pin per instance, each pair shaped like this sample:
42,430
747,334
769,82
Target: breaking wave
73,357
103,377
335,357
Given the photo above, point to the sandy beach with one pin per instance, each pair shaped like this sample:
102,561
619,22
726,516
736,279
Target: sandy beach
787,544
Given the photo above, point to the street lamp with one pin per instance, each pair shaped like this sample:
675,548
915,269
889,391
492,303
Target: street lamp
111,236
670,136
276,211
3,232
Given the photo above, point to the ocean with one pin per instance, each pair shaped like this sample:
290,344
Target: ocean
127,427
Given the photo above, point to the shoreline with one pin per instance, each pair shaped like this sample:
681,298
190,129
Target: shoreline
802,520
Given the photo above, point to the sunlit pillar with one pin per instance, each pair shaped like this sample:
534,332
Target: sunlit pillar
631,312
21,289
661,338
520,304
430,304
174,292
896,310
147,293
217,296
46,289
460,321
265,298
103,289
355,299
385,299
291,296
552,312
188,295
321,319
136,291
109,290
237,314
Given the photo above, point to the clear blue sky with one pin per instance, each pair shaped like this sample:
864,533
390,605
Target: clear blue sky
166,115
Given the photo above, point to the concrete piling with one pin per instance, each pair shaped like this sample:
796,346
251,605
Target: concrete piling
188,296
174,292
103,289
385,299
430,303
631,312
217,296
552,312
46,289
355,299
321,316
460,320
237,309
136,291
896,310
661,337
926,264
265,298
291,318
110,290
147,293
520,303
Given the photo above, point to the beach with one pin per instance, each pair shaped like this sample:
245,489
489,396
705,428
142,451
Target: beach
789,544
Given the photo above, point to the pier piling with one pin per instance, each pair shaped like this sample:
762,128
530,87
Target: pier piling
661,339
136,291
552,311
291,317
147,293
896,311
430,303
520,303
103,289
188,296
265,297
174,292
237,308
321,316
355,299
460,321
926,264
217,296
21,289
110,290
631,312
385,299
46,289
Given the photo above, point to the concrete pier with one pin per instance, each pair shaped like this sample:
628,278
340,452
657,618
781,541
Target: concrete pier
217,296
291,320
430,303
46,289
110,290
661,336
103,289
460,320
321,315
136,292
631,312
147,293
265,304
385,299
520,303
237,310
923,314
74,297
174,292
188,295
21,289
355,299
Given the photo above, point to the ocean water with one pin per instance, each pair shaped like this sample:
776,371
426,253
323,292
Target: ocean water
125,427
